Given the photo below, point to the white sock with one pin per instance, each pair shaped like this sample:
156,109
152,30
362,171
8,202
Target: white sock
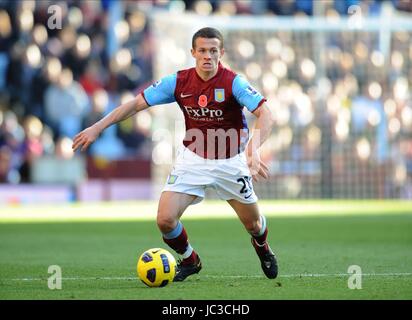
188,252
263,227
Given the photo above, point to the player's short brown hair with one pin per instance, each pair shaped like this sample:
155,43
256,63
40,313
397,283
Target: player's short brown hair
208,33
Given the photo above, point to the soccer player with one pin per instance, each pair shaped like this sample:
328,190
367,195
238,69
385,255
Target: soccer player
217,151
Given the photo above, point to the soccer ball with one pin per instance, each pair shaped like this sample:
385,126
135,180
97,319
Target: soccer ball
156,267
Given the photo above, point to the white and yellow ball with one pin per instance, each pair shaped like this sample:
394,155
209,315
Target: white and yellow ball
156,267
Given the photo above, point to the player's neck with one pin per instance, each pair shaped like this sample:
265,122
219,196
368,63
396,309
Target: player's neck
206,75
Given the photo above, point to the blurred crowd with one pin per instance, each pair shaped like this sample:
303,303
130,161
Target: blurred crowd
284,7
58,79
344,113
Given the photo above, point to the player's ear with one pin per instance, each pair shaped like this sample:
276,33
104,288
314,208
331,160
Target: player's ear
222,52
192,51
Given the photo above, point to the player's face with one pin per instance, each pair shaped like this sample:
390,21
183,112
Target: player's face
207,53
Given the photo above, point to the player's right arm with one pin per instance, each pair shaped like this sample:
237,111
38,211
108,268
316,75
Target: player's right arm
160,92
86,137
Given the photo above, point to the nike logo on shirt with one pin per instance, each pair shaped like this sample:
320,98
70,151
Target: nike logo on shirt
185,95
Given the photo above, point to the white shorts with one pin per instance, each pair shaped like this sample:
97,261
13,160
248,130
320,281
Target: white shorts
230,178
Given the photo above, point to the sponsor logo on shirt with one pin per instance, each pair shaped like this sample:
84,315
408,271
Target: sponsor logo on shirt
199,113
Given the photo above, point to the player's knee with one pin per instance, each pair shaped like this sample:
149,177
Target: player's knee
252,226
165,223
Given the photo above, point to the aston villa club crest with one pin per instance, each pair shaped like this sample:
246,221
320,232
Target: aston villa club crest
219,95
202,102
171,179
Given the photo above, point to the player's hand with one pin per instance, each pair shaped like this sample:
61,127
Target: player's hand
257,167
85,138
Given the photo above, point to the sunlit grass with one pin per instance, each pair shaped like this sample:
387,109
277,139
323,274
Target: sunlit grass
146,210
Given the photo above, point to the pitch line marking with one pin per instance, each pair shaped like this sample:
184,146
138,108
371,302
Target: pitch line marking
303,275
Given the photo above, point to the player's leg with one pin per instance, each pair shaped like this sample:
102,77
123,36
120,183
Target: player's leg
255,224
171,207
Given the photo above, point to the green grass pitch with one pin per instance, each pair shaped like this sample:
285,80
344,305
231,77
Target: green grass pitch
97,247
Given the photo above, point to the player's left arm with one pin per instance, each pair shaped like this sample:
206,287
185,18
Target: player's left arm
263,127
249,97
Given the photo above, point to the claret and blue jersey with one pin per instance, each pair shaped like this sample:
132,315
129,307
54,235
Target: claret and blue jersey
216,127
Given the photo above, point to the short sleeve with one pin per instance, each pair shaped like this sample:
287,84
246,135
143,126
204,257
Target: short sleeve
161,92
245,94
